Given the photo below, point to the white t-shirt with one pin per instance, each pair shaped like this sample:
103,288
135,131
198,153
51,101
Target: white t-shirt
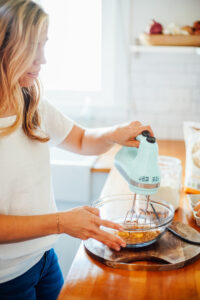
26,188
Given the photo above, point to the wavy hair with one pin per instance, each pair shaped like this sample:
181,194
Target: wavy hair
21,22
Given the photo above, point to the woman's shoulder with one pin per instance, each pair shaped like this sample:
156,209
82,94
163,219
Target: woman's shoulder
54,122
49,113
46,108
44,104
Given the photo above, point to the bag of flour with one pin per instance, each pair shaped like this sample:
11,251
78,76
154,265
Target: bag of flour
192,170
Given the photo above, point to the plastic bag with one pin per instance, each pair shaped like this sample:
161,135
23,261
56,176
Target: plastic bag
192,170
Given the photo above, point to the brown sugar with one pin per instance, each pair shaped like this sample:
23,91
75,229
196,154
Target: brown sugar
132,237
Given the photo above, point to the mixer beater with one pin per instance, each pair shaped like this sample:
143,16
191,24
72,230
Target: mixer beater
132,217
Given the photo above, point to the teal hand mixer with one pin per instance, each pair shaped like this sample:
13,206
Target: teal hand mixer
140,168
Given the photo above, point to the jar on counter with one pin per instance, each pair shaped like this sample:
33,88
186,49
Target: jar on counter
170,185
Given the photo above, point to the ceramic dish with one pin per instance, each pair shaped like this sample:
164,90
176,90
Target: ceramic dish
144,228
193,200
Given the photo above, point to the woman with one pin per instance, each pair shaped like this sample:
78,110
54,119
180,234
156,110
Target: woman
29,221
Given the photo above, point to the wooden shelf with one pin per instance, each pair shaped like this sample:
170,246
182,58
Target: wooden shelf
164,49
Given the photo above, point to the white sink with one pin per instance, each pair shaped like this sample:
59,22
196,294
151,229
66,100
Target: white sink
61,156
71,175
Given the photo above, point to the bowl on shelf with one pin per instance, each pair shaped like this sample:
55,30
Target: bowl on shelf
147,224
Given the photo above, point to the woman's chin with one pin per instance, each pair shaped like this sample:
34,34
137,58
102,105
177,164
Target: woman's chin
27,82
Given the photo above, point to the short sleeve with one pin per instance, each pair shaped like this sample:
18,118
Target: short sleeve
55,124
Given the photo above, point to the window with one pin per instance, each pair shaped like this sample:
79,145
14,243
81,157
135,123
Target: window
85,56
73,51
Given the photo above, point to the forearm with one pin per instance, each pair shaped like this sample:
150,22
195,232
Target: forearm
81,222
100,140
21,228
91,141
97,141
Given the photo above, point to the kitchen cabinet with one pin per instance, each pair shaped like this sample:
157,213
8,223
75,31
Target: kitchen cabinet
91,280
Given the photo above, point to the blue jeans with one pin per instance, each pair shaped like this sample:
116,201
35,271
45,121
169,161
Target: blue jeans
42,282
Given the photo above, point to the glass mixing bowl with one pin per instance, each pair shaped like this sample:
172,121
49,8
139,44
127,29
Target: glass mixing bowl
142,228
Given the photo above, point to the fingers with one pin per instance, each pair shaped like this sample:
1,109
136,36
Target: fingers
134,143
136,123
109,239
109,224
93,210
136,128
94,231
100,222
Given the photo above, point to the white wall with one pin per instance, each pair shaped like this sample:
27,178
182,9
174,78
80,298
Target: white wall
165,91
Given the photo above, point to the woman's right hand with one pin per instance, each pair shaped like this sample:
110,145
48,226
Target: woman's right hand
84,222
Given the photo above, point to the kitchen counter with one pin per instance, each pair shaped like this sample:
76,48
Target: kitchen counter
91,280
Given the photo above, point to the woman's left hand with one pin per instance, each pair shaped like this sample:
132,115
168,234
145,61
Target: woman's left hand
126,134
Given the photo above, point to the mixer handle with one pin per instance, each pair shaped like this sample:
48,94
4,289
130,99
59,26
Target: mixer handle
149,138
146,133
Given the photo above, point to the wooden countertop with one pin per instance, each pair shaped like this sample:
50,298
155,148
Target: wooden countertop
91,280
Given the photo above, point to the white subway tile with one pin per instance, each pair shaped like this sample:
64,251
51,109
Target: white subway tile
165,90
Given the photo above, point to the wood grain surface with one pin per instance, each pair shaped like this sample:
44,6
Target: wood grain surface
170,40
89,279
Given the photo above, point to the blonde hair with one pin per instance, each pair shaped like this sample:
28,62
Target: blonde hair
21,22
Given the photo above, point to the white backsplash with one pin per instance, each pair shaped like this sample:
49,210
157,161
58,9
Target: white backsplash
165,91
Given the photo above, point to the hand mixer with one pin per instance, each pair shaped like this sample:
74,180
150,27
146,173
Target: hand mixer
139,167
